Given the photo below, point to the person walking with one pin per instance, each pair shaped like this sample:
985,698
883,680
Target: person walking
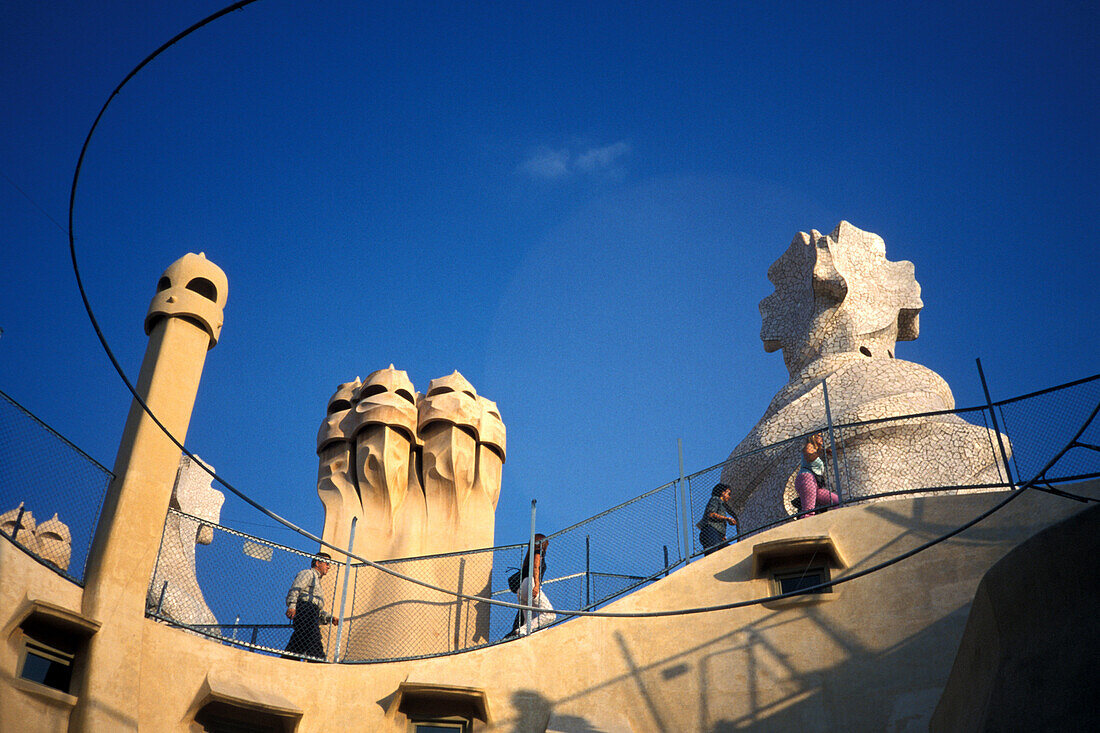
305,607
716,517
531,588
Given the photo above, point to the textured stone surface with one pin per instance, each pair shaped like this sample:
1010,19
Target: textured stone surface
192,494
838,308
421,475
24,533
55,542
51,540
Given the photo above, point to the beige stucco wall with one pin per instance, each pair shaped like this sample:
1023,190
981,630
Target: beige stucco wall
875,656
22,579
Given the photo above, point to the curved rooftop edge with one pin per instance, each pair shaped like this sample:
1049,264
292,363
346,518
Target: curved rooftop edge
1021,639
874,653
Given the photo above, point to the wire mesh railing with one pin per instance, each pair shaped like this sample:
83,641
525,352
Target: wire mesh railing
939,452
232,586
390,618
51,492
1042,422
944,452
208,578
618,549
594,561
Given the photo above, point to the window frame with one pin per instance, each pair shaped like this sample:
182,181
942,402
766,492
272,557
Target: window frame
457,723
779,560
54,655
787,573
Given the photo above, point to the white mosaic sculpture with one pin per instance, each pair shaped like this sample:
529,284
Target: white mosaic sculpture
195,495
421,473
838,308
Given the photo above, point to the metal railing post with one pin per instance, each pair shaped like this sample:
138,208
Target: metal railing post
344,595
666,561
685,510
832,440
160,601
587,569
18,523
531,568
459,601
996,427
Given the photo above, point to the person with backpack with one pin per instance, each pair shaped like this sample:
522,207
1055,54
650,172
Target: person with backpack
530,588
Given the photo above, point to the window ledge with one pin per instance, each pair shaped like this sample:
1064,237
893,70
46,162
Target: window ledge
232,691
769,559
54,697
54,616
767,555
413,694
809,599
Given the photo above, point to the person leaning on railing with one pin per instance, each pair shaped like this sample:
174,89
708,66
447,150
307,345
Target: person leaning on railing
810,482
716,517
305,606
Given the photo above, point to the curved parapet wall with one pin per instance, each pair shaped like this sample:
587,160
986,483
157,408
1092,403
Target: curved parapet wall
1027,653
874,654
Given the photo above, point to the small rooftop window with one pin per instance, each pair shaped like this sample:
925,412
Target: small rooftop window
796,564
47,665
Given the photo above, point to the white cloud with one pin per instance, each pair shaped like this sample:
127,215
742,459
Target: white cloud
548,163
558,163
600,158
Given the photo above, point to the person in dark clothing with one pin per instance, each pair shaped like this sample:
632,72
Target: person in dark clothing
716,517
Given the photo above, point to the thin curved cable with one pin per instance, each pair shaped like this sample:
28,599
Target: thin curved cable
88,306
370,563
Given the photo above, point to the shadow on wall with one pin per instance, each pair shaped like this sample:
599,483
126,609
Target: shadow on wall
1028,656
538,715
772,673
777,693
829,699
534,711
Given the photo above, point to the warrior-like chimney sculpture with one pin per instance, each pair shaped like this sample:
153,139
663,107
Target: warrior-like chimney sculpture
184,321
421,475
838,309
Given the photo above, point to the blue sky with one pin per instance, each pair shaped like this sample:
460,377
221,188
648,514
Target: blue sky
573,204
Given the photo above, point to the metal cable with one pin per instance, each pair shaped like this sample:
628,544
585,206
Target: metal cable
88,306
